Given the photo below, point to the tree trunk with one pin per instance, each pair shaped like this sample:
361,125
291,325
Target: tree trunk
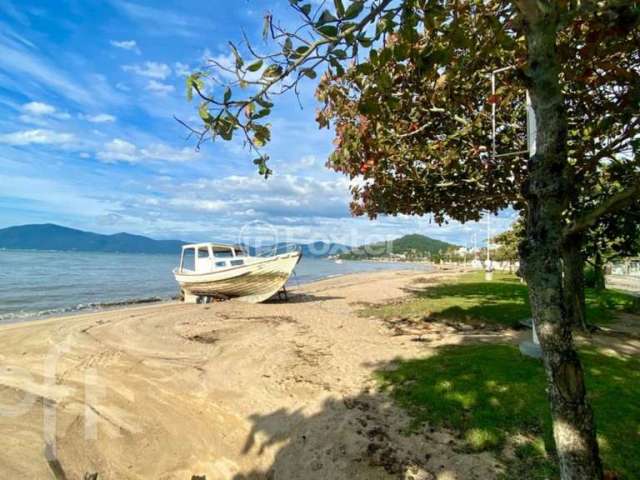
573,268
598,273
546,194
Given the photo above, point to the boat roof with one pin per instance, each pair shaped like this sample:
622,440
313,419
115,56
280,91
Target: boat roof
214,245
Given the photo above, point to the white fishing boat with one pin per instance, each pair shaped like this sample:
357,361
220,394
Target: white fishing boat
227,271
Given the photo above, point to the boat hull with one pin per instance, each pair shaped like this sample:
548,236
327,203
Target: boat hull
254,282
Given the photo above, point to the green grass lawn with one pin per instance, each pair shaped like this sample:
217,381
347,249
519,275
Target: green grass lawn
490,393
503,301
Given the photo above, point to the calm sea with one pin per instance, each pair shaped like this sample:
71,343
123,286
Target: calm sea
36,284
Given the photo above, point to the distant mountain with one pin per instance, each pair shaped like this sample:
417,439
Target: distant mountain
316,249
55,237
323,249
408,246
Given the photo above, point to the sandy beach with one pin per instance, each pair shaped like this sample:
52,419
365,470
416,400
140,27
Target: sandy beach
279,390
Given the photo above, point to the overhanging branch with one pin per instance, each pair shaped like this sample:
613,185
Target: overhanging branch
612,204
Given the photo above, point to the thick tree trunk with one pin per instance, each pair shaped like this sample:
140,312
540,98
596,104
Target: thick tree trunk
573,267
546,194
598,273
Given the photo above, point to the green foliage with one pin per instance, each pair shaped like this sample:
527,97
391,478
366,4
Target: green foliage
509,241
504,301
491,393
589,276
414,246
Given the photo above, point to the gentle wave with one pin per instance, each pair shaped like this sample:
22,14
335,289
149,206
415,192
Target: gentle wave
38,284
81,307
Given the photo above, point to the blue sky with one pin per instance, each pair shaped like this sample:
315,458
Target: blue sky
88,91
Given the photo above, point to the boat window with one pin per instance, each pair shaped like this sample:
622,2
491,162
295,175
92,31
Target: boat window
203,252
235,263
188,259
221,264
223,254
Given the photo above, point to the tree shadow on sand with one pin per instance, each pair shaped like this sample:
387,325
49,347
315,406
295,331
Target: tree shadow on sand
354,438
477,411
365,436
294,297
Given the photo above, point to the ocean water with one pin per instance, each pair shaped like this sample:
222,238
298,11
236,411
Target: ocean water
38,284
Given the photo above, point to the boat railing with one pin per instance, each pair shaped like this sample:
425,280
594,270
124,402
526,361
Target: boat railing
272,250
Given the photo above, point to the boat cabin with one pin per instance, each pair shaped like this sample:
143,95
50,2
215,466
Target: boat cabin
208,257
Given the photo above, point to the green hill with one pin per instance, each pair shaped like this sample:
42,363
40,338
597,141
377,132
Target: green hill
409,246
55,237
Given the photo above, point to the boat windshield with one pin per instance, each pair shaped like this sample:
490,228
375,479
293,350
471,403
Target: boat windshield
208,257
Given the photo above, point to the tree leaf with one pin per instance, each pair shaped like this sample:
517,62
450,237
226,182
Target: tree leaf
203,111
261,113
326,17
330,31
288,46
266,27
364,40
339,7
238,58
309,72
354,10
272,71
263,103
339,54
192,81
255,66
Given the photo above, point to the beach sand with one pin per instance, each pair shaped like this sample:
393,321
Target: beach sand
279,390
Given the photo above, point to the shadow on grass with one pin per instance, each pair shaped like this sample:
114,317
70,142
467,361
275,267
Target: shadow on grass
495,397
602,306
503,301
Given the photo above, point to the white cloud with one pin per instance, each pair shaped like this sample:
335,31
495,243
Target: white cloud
130,45
225,64
182,69
162,21
160,151
26,69
38,108
99,118
121,150
53,195
280,196
198,205
159,88
156,70
36,136
39,112
123,87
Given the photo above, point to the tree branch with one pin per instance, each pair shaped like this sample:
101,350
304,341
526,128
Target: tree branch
612,204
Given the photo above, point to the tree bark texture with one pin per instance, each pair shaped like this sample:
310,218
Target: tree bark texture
598,273
573,282
547,195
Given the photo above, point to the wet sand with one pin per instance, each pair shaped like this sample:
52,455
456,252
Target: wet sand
225,390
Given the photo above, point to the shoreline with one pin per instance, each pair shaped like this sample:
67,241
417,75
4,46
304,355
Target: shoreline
227,390
22,316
